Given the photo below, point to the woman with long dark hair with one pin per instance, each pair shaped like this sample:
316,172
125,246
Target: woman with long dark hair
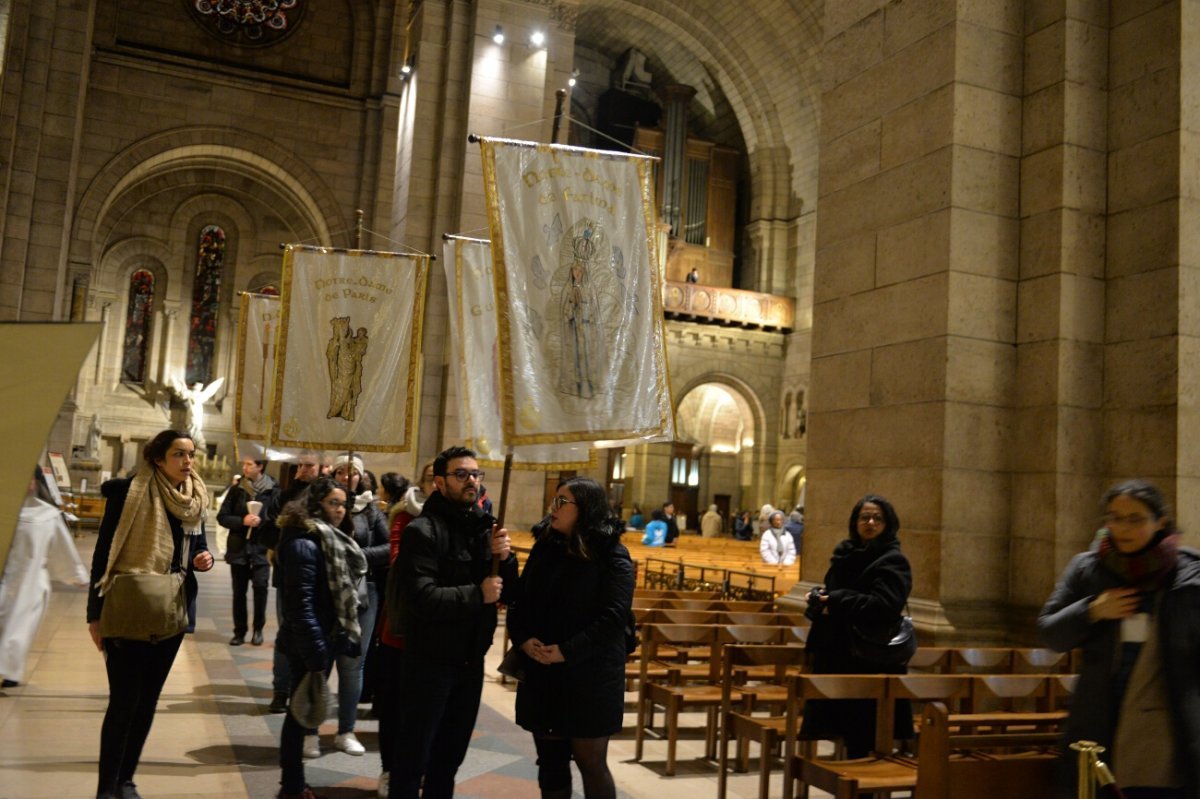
320,565
153,524
1131,603
866,589
568,619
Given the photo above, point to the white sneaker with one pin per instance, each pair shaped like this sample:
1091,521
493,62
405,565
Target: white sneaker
382,790
312,746
349,744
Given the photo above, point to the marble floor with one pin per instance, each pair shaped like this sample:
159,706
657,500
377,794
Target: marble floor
213,736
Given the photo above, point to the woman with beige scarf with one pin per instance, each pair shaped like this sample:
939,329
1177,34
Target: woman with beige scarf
150,521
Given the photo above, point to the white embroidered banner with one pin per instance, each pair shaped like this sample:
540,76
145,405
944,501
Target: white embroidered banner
258,330
348,357
579,294
474,349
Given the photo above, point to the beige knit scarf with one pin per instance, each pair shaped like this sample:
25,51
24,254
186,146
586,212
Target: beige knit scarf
142,543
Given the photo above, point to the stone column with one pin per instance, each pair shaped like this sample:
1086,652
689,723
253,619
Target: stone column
1060,331
914,315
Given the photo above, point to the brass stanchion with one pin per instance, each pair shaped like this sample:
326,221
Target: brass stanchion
1092,770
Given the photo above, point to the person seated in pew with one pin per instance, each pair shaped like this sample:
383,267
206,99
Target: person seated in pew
656,530
777,546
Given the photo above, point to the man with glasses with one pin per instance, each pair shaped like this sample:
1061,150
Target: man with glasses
448,615
308,468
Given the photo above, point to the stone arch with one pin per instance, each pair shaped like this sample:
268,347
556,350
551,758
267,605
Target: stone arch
792,476
198,155
751,56
761,459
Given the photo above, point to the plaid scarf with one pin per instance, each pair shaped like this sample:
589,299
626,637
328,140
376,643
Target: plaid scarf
345,565
142,542
1146,569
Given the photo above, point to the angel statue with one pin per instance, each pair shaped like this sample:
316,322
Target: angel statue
193,399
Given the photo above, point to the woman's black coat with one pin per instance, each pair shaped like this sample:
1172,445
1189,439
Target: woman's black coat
868,586
583,606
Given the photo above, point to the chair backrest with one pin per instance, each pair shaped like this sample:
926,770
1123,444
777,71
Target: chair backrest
743,617
797,634
747,606
645,615
803,687
737,657
676,616
692,604
752,634
977,659
1062,689
681,635
1041,661
930,659
1009,692
951,689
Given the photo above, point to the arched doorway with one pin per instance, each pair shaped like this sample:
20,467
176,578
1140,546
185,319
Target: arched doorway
711,462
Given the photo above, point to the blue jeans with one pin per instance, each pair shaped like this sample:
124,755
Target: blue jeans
350,669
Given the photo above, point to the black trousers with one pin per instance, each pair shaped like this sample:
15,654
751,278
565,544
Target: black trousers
243,576
291,739
441,702
388,703
137,671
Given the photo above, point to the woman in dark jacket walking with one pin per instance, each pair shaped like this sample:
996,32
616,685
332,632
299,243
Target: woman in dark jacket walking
370,530
153,524
320,565
867,587
1132,603
568,618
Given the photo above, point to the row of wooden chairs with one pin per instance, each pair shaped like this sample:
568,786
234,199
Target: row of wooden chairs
656,593
667,615
993,660
989,724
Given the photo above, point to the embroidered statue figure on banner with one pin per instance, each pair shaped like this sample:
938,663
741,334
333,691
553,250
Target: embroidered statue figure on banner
193,398
581,365
344,356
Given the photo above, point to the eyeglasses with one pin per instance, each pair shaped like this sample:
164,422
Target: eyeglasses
868,518
1132,520
461,475
334,503
558,502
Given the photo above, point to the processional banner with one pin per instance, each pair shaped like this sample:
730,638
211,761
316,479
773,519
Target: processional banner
349,348
475,358
579,294
258,330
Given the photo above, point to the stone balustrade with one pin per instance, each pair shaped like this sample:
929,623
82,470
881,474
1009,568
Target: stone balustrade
695,302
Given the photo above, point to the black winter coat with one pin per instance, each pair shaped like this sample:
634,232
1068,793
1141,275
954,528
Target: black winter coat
582,606
308,625
1065,625
372,536
445,554
115,492
868,586
238,550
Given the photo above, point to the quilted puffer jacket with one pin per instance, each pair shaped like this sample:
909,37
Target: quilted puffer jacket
309,625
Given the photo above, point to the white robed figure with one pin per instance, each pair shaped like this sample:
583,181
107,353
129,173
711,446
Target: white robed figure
42,548
583,371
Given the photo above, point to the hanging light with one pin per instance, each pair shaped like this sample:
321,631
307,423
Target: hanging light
537,38
498,35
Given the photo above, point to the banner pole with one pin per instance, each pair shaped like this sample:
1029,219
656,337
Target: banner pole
358,228
508,461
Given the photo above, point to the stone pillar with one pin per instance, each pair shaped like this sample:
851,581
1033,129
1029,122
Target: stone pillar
676,97
1060,332
914,314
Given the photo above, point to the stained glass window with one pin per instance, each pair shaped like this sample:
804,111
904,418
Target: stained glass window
248,22
137,326
206,302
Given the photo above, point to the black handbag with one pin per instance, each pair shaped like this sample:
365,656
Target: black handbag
894,647
512,665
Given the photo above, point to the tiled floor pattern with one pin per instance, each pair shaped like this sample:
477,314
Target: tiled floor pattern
212,736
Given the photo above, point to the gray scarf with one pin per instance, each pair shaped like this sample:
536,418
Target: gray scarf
345,565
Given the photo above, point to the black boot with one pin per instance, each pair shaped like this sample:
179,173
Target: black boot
257,638
279,703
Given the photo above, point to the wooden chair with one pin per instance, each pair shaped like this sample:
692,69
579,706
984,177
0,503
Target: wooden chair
740,723
975,773
683,690
845,779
